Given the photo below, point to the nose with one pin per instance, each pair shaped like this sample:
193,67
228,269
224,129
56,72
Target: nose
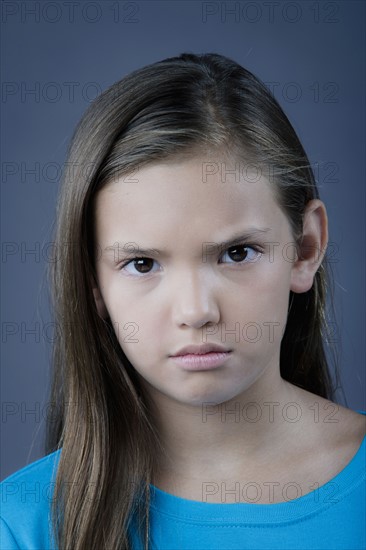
194,303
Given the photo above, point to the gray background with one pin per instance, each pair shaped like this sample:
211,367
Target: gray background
56,58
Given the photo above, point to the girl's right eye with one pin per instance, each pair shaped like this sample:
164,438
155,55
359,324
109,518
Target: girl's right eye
138,261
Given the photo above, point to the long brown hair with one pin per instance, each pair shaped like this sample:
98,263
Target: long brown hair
104,423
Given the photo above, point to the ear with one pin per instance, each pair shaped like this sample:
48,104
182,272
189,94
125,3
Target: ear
312,246
99,302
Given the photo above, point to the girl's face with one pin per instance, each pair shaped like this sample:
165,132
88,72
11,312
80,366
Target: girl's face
192,290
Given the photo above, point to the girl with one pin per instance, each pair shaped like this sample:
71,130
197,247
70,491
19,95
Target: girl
194,408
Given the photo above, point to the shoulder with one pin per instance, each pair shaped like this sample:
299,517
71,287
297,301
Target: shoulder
336,432
40,471
354,420
340,425
352,428
348,433
329,421
26,496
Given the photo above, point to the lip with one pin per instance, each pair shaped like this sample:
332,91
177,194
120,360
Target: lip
206,361
200,350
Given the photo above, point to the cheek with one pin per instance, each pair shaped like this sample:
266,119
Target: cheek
262,293
137,328
257,311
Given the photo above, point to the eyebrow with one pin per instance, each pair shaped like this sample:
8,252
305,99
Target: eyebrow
248,234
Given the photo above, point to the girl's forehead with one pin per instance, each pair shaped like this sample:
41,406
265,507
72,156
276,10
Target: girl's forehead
224,179
168,196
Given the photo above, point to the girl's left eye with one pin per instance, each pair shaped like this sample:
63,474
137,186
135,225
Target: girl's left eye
250,255
236,251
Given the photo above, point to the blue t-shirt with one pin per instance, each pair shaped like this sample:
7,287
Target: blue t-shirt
332,516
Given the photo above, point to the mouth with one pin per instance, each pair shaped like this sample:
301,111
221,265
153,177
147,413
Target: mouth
202,361
203,349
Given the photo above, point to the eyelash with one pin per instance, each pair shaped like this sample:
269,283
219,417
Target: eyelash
256,248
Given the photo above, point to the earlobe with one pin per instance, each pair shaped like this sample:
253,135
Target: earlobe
311,248
99,302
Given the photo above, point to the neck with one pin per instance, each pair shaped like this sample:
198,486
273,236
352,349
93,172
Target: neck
250,428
